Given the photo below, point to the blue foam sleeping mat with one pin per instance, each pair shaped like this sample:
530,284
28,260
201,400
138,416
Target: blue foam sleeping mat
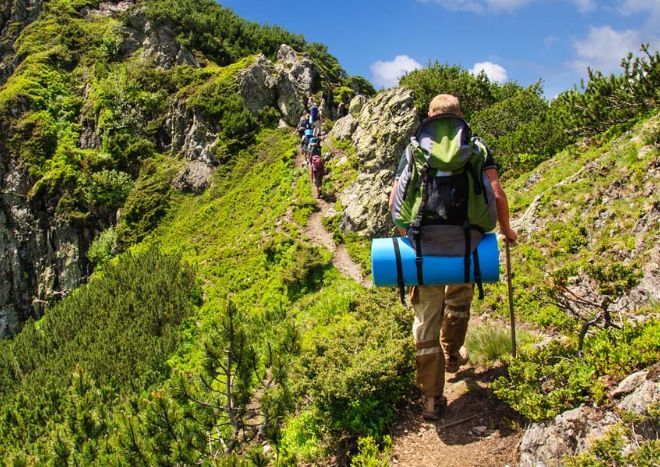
436,270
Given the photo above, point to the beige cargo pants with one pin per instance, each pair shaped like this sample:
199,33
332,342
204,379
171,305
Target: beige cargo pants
441,320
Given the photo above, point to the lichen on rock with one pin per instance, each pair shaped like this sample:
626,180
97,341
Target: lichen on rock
379,134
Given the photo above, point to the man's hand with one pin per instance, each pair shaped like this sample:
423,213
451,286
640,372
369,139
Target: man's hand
510,235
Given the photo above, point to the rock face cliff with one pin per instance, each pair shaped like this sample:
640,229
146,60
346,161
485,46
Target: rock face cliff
379,130
14,16
40,255
43,253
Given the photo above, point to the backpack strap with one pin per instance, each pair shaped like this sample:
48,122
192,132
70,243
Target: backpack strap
477,274
417,225
466,258
399,271
478,184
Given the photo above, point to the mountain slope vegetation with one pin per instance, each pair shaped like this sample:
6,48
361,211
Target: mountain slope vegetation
151,323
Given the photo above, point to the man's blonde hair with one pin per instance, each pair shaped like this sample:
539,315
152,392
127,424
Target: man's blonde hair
445,104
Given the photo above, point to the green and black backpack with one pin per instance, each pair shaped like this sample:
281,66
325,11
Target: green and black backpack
443,198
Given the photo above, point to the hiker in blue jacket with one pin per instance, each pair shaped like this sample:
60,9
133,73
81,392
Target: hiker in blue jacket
315,119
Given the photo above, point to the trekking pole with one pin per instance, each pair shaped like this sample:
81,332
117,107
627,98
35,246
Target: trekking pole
511,313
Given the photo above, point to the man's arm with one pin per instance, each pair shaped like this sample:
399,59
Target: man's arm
392,196
502,206
393,192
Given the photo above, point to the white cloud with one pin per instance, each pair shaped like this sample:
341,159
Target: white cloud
603,49
651,10
585,6
494,71
387,74
497,6
480,6
638,6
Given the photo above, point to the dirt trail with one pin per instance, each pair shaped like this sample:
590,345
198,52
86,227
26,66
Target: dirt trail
475,429
320,236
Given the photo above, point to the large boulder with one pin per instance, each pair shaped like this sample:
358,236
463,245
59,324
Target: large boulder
301,70
366,204
344,128
297,79
574,431
257,85
290,101
384,127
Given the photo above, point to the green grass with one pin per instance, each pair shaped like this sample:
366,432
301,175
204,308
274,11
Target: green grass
489,343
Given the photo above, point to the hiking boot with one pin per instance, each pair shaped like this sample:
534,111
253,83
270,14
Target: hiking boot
433,406
454,362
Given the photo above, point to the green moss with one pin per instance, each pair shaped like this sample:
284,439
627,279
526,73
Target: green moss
149,200
34,139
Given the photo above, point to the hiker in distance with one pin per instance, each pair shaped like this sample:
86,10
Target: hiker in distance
462,192
315,119
316,166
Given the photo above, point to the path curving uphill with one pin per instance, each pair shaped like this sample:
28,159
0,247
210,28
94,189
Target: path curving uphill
321,237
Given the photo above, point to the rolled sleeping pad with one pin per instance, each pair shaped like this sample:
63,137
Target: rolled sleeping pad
436,270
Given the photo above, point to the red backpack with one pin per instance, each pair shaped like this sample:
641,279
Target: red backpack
317,164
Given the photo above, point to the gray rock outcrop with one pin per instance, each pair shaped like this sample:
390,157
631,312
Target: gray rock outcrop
356,105
297,79
40,256
192,135
156,41
344,128
194,178
257,85
570,433
379,133
284,84
574,431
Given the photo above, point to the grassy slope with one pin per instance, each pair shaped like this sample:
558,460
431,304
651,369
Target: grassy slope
588,202
592,227
242,236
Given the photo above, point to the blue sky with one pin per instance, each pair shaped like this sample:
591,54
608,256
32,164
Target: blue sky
519,40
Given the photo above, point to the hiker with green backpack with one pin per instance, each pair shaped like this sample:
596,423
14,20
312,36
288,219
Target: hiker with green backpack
446,196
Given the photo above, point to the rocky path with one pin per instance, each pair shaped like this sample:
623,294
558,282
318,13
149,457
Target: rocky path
476,429
320,236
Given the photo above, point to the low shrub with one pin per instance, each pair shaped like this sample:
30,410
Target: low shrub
103,247
109,338
358,367
545,381
371,455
